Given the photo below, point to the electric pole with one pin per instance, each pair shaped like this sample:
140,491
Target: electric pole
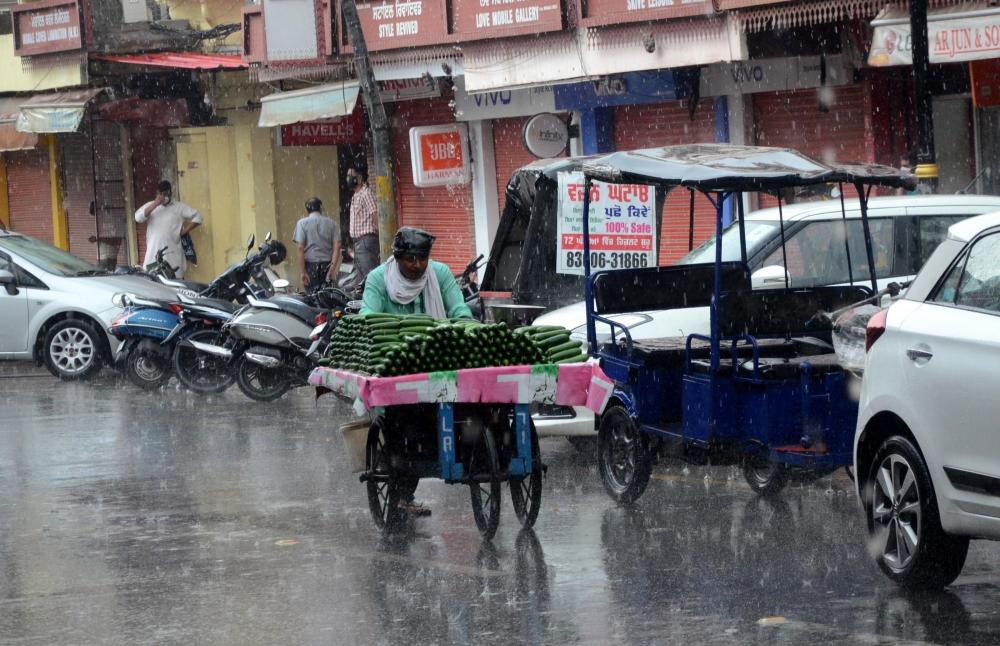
927,169
385,179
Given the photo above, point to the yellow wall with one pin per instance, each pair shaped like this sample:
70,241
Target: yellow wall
243,182
41,77
205,14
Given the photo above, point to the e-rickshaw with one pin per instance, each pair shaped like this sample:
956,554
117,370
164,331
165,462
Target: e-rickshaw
764,389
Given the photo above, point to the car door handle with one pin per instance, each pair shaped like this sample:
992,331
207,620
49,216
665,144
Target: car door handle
916,354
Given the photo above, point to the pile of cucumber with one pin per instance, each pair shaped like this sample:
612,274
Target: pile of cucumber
387,345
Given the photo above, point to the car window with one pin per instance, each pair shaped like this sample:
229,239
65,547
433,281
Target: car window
976,282
48,258
6,264
758,234
932,229
817,255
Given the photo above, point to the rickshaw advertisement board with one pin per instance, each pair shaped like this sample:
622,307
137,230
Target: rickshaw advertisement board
622,225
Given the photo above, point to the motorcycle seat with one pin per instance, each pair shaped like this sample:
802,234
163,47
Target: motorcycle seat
217,303
296,308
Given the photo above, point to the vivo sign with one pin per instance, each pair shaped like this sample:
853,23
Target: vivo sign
503,104
774,74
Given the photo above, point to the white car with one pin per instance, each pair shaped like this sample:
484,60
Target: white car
905,231
926,453
56,308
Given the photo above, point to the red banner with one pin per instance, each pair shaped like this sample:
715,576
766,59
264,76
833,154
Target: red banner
45,27
482,19
332,132
610,12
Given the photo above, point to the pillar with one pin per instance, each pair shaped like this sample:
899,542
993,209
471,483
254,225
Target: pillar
597,130
60,222
4,201
485,201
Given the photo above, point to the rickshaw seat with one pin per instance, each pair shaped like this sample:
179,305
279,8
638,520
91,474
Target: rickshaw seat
663,288
791,368
784,312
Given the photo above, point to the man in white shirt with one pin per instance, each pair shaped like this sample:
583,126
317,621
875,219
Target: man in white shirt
167,220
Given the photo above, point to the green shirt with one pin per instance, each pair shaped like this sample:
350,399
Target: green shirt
376,298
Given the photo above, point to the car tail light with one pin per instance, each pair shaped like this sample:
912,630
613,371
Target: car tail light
320,319
176,309
875,329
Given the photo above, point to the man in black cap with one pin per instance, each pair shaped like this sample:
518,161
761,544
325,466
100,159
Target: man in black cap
411,283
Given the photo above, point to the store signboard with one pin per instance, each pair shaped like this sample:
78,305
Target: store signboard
502,104
391,90
328,132
405,23
775,75
622,225
954,35
546,135
483,19
45,27
613,12
440,155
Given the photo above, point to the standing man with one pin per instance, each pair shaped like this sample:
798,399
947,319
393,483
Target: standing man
168,220
364,223
318,240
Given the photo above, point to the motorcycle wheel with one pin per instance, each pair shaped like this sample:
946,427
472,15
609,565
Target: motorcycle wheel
260,383
147,369
200,372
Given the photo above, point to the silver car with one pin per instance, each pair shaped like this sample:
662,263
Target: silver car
56,308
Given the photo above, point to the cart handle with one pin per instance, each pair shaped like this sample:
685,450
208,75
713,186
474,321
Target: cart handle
732,351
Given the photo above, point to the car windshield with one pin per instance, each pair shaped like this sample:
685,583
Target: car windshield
758,235
49,258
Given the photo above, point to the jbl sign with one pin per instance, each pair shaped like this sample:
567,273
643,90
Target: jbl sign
439,154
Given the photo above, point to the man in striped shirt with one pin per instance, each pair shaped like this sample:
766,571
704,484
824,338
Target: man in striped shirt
363,225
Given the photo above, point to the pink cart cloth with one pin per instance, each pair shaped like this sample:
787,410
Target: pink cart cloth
569,384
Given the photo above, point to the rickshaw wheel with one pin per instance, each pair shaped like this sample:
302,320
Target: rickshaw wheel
526,491
383,494
764,477
484,461
622,456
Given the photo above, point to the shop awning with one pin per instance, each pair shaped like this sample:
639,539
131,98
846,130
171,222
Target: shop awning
320,102
568,57
763,15
177,60
55,112
10,138
956,34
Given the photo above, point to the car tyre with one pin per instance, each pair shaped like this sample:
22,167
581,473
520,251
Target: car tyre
72,350
904,523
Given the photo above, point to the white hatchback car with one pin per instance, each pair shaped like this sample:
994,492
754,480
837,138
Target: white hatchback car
905,231
55,308
926,453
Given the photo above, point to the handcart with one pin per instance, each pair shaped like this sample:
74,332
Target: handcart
470,427
763,388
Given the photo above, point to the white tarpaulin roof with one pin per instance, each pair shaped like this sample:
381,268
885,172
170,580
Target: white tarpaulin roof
55,112
960,33
320,102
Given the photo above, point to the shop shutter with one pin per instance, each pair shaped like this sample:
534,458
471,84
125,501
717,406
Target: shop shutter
444,211
670,124
76,161
793,120
509,151
28,193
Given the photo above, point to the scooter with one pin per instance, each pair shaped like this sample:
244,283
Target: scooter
149,328
270,344
470,289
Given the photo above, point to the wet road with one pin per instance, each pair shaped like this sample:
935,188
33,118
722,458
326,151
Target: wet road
128,517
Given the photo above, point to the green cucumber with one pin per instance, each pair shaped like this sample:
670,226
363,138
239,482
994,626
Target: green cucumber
580,358
565,354
564,347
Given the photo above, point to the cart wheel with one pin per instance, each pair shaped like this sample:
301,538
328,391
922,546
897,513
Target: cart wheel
764,477
383,484
526,491
484,464
622,456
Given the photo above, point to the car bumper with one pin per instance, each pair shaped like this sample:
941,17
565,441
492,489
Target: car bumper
554,423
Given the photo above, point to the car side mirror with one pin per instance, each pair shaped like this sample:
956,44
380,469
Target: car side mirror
770,277
9,282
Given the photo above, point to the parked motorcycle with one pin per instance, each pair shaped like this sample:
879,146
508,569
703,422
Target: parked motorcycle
150,328
274,344
470,289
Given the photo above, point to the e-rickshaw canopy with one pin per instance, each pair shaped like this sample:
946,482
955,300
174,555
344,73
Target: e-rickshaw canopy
728,168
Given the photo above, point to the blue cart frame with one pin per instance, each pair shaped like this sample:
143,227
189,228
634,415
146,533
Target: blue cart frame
481,445
757,390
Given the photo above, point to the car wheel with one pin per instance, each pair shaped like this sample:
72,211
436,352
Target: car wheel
904,523
72,350
623,456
